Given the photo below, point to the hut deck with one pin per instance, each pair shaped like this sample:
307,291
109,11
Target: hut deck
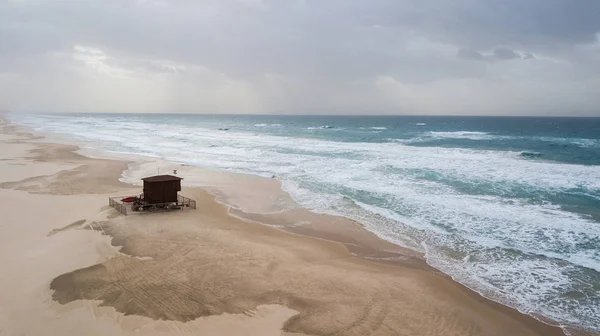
139,206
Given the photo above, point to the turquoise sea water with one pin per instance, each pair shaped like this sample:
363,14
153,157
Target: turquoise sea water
507,206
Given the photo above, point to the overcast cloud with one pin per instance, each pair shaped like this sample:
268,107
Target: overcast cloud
501,57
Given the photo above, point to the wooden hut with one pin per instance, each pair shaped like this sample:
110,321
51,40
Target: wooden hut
161,189
160,194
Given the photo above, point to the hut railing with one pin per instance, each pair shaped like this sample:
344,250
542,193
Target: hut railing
121,207
186,202
117,204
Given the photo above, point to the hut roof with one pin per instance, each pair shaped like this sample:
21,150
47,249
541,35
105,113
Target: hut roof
161,178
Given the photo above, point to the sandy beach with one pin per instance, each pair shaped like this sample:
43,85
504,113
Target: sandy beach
237,265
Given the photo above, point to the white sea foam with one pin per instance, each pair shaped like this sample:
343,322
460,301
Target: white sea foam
583,143
461,135
267,125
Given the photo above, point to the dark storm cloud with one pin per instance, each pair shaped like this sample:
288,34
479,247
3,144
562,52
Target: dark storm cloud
295,55
485,24
470,54
505,53
498,54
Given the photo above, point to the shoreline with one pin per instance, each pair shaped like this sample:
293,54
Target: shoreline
334,232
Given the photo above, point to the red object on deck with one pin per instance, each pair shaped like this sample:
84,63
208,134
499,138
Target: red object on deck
128,199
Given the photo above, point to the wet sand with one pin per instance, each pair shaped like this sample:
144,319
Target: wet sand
72,265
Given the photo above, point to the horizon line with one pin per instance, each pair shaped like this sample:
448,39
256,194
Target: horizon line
311,115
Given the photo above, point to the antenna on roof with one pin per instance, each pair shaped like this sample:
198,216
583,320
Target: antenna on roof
157,170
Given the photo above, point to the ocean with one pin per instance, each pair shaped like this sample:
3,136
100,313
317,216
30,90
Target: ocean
508,206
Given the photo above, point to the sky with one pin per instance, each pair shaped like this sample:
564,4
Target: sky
458,57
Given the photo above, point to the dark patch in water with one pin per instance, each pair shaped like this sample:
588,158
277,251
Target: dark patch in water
531,155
